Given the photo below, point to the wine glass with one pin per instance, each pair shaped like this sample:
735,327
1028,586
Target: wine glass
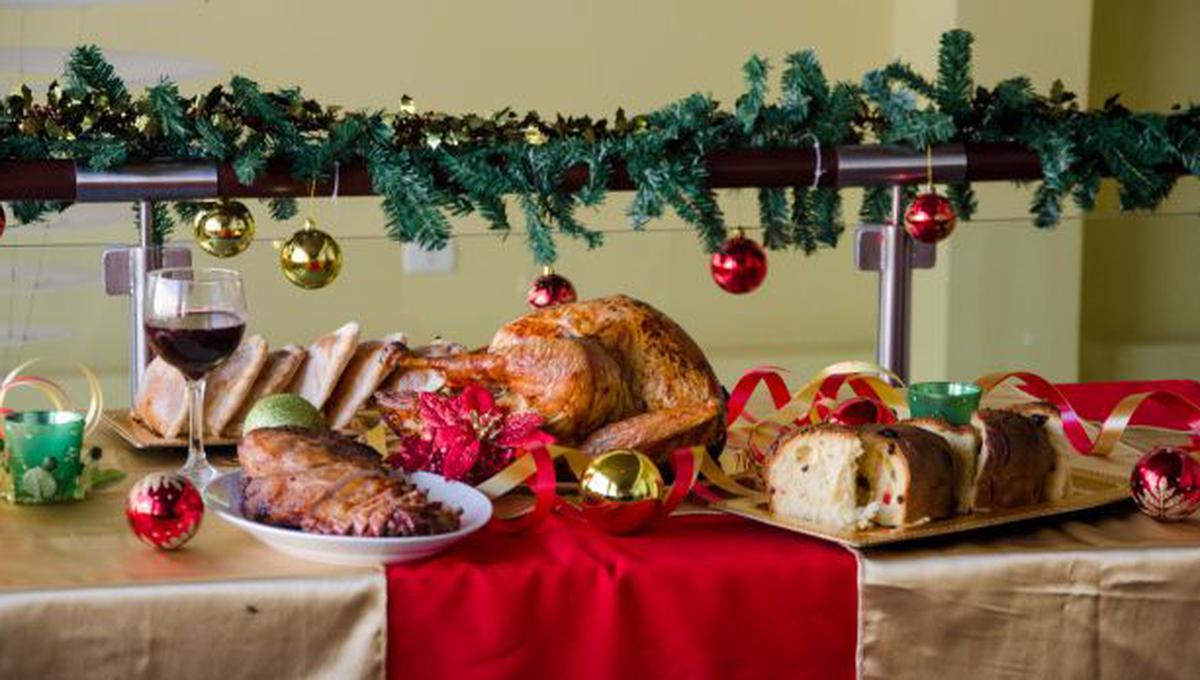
194,320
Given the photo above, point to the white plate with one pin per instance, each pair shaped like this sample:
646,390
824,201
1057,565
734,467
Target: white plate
224,496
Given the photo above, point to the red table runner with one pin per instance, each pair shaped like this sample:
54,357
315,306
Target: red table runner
697,597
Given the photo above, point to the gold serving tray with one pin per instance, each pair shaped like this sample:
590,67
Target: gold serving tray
1091,490
137,436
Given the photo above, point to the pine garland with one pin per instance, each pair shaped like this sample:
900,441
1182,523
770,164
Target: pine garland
429,167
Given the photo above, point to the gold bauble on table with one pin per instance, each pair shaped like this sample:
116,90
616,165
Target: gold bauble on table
621,491
224,228
310,258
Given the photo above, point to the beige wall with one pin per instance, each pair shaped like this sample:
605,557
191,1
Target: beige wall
974,312
1141,298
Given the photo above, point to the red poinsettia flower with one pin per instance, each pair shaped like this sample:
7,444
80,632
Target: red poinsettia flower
467,436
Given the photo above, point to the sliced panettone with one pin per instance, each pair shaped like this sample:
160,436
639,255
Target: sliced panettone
810,476
964,444
892,475
1015,460
1058,484
907,474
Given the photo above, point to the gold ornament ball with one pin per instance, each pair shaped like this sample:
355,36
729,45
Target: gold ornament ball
224,228
310,258
621,491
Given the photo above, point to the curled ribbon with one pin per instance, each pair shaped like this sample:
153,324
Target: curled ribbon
1114,425
813,403
536,469
57,396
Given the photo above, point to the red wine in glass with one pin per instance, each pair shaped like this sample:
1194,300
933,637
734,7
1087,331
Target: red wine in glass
196,342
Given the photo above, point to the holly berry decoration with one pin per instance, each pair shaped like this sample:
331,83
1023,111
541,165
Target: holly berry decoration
310,258
224,228
164,510
930,218
550,289
1165,483
739,265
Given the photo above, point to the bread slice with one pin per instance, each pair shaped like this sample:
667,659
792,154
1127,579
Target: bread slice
277,373
369,365
161,403
1015,460
327,357
811,476
909,475
227,385
1045,414
891,475
964,444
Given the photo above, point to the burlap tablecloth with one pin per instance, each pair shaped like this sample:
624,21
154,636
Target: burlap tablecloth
80,596
1107,594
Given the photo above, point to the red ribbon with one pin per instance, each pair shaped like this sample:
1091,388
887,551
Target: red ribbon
735,407
542,483
1114,424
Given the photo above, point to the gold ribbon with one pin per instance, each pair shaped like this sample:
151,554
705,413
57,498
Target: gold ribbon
57,396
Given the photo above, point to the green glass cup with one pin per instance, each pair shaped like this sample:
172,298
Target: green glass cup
41,461
953,402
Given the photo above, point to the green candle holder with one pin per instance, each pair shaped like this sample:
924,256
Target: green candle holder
953,402
41,461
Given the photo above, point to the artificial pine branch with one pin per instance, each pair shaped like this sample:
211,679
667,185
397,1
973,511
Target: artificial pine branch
952,91
427,166
87,71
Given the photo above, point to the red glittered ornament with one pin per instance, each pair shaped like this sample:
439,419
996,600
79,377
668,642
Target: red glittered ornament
164,510
739,265
930,218
1165,483
550,289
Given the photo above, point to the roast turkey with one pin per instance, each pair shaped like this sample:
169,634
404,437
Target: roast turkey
607,373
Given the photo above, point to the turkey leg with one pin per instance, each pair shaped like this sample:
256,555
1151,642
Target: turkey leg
656,433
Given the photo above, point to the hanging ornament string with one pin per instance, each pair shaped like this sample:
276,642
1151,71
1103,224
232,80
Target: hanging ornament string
929,169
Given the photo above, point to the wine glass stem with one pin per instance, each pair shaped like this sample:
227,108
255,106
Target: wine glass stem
197,467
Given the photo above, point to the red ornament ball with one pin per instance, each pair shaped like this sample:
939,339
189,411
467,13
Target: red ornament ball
1165,483
3,220
551,289
164,510
739,265
930,218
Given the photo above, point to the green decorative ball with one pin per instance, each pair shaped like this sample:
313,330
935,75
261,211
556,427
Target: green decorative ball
279,410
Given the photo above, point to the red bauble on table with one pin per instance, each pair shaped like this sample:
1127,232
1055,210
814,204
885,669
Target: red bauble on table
164,510
550,289
739,265
1165,483
930,218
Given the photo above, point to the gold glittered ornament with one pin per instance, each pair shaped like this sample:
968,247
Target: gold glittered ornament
621,491
310,258
224,228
